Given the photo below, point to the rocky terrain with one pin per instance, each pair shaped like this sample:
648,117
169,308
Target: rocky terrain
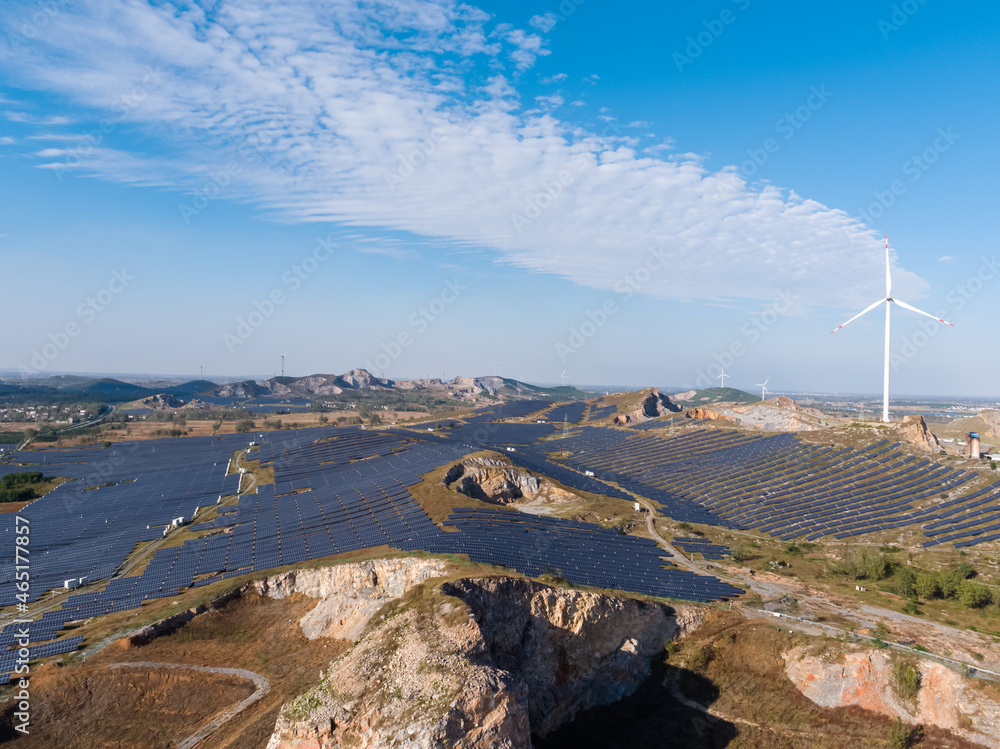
992,420
349,594
914,430
491,480
780,414
650,404
481,663
864,678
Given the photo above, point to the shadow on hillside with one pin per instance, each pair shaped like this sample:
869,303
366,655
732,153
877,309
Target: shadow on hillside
652,717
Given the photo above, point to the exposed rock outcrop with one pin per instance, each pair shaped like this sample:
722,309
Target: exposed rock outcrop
707,413
864,678
780,414
914,430
350,593
481,664
245,389
653,403
992,419
491,481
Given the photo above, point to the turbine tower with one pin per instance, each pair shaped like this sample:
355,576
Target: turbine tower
282,364
564,378
763,388
888,302
495,365
722,377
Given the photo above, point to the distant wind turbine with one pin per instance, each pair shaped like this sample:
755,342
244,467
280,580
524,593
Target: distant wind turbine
564,378
495,365
763,388
888,301
722,377
282,364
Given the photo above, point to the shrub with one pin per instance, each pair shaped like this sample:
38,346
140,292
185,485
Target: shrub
906,679
899,735
244,425
869,564
699,658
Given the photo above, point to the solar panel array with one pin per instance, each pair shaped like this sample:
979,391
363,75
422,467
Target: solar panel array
696,545
340,490
775,484
601,412
571,413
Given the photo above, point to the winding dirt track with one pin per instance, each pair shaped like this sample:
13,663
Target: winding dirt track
261,682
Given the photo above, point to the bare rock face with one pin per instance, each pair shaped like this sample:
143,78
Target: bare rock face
491,481
653,404
245,389
350,593
864,678
914,430
162,402
707,413
780,414
992,419
480,664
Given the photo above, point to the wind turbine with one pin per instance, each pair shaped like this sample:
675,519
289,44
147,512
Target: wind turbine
888,301
282,364
564,378
763,388
722,377
495,365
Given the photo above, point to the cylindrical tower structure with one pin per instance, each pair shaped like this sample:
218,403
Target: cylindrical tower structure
972,445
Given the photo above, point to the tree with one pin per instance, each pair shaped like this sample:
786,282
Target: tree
881,631
906,679
948,581
973,595
927,585
906,582
899,735
244,425
966,570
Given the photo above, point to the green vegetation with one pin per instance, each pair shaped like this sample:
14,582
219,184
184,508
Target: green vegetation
905,679
899,735
868,564
25,485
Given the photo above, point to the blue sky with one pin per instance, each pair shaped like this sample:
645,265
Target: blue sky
630,194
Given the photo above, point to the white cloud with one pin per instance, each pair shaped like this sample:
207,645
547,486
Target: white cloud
33,119
946,259
640,123
6,140
557,78
405,117
543,23
550,102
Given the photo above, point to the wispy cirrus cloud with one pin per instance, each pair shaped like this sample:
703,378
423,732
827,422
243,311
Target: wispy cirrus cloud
319,104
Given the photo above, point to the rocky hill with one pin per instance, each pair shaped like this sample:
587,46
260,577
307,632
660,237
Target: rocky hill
647,404
780,414
478,663
864,678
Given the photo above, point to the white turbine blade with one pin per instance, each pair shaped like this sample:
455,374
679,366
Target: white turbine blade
766,381
865,311
888,277
910,307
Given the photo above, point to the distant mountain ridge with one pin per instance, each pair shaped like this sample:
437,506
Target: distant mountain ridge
355,380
